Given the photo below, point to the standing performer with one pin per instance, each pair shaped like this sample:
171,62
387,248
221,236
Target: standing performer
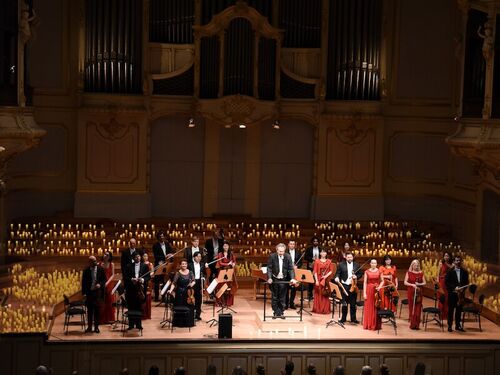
191,250
371,285
107,311
296,257
136,279
348,271
128,254
93,280
197,268
214,245
312,253
226,261
389,277
323,269
446,265
414,280
147,303
162,252
455,279
279,269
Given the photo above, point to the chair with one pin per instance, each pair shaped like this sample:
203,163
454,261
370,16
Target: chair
435,311
403,302
130,314
474,310
182,316
71,309
389,317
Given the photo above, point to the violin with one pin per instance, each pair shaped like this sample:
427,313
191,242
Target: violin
140,292
354,282
378,299
461,295
190,296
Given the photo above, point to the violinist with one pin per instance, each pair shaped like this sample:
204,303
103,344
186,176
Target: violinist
446,265
136,279
371,293
183,280
214,245
162,252
348,272
322,271
390,281
296,256
415,280
199,271
227,260
455,280
194,248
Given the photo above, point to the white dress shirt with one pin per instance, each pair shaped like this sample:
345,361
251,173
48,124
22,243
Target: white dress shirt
280,262
292,254
194,250
163,248
457,270
137,267
315,252
349,273
197,270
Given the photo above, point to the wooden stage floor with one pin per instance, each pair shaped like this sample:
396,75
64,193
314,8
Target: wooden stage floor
248,325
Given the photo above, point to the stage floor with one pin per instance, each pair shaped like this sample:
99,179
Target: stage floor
248,324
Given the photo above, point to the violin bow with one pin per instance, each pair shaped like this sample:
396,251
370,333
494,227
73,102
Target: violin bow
160,265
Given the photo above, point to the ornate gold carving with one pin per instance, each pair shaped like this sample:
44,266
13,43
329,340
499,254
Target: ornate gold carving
352,134
112,130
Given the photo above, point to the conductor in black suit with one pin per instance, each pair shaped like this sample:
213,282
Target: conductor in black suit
296,256
311,254
162,252
93,284
455,278
279,270
347,271
128,254
136,276
214,245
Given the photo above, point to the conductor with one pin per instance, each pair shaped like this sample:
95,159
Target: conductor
279,270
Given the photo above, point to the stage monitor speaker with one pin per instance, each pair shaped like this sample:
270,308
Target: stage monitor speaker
225,326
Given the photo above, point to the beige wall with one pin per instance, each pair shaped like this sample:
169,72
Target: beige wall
350,160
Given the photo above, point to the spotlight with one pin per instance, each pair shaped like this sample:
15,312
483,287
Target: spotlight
276,125
456,118
242,126
191,123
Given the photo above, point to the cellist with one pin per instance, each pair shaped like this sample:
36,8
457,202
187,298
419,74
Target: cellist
136,277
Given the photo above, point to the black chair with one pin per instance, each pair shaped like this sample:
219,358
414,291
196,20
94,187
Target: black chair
405,303
131,314
387,316
472,291
435,312
474,310
71,309
182,316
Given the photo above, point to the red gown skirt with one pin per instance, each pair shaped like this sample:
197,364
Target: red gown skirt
371,320
107,311
414,313
321,304
443,306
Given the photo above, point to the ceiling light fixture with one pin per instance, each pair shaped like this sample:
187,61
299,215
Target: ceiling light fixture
242,125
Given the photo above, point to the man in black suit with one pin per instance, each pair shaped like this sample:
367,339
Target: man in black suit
347,271
93,284
162,252
136,276
198,270
195,247
455,279
279,270
214,245
296,257
128,254
311,254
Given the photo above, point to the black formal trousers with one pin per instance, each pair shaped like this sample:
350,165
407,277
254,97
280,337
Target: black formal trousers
93,302
198,298
350,300
290,295
454,309
133,304
278,288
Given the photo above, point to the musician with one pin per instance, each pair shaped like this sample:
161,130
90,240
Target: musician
323,269
455,279
183,280
371,285
227,260
162,252
389,277
446,265
297,258
348,272
341,254
128,254
147,305
93,284
198,270
311,254
415,280
195,247
136,276
107,310
214,245
279,269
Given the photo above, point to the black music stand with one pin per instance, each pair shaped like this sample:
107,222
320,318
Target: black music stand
224,277
338,296
304,277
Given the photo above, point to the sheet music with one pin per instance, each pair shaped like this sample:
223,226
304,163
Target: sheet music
212,286
264,270
116,287
165,288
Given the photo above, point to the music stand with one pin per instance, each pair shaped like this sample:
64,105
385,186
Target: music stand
338,296
224,277
210,291
304,277
162,270
118,302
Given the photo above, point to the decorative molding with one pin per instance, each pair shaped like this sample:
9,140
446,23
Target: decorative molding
352,134
112,130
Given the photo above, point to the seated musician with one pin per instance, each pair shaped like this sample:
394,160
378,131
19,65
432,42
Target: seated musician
227,260
136,279
198,269
322,270
456,279
279,271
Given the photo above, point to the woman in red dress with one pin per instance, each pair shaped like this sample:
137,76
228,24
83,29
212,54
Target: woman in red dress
446,265
388,274
371,284
107,313
146,307
322,269
414,280
227,260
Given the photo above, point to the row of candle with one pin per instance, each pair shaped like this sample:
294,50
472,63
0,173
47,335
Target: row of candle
22,320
